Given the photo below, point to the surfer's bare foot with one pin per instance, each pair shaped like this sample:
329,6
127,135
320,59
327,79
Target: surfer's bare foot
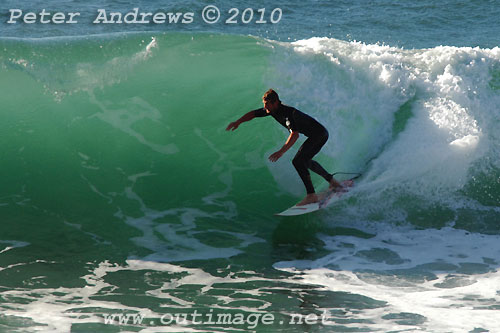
309,199
335,185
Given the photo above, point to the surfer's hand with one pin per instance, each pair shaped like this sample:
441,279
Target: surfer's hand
276,156
232,126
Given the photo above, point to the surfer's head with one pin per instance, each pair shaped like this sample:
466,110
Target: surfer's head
271,100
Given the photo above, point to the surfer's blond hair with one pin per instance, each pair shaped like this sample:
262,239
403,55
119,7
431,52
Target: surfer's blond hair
271,96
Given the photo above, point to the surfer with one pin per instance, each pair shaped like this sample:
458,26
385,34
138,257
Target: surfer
296,122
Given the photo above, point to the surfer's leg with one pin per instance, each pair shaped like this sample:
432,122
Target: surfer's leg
313,147
314,166
318,169
300,162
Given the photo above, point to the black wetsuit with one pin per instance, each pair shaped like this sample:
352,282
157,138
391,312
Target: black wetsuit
317,135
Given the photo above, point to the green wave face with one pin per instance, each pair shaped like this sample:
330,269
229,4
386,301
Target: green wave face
121,191
105,127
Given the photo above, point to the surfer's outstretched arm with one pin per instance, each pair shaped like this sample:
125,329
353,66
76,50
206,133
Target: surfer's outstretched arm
246,117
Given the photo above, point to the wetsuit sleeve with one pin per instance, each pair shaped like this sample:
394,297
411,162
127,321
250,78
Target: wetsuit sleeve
260,112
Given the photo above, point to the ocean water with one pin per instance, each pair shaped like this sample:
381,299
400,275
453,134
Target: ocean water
125,206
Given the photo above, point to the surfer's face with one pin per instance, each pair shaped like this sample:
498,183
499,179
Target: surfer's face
270,106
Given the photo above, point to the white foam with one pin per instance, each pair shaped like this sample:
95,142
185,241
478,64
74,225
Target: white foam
58,309
449,277
355,89
467,142
177,240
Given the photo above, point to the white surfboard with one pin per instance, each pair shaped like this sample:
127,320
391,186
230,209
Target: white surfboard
326,197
